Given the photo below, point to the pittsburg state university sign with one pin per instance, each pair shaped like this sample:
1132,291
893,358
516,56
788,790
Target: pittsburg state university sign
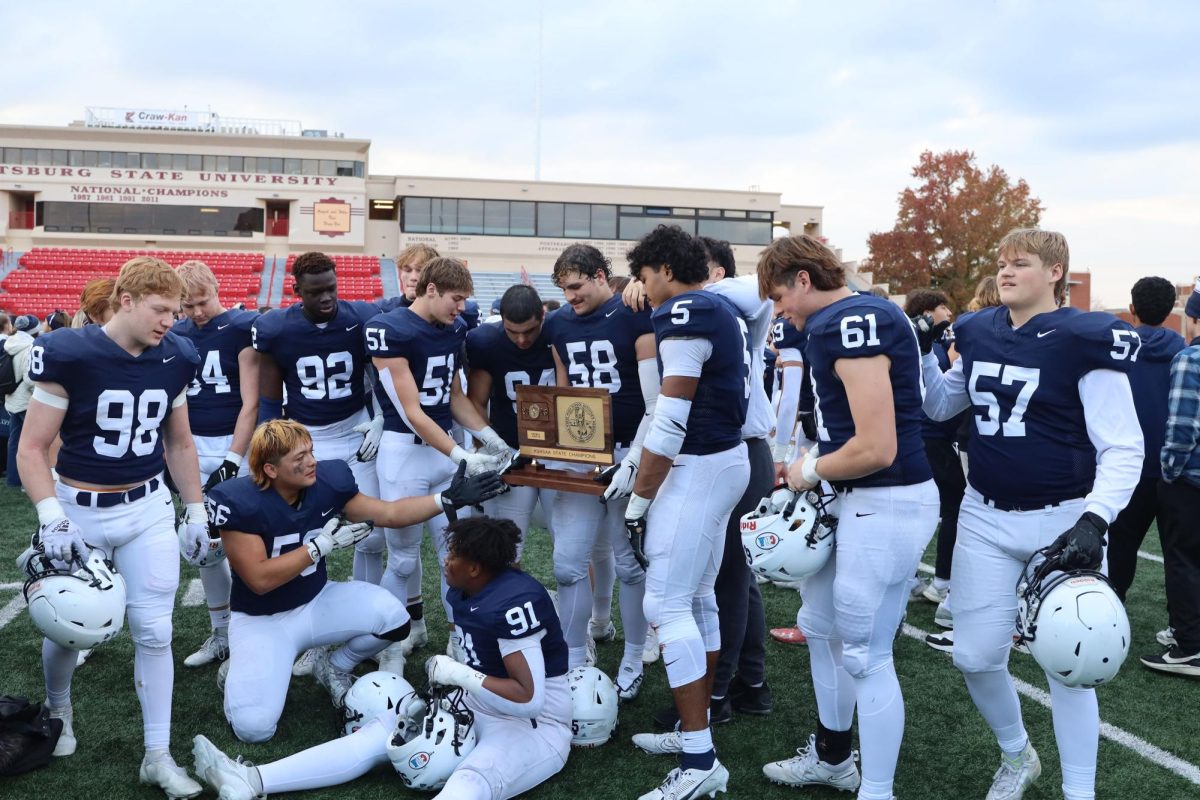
165,175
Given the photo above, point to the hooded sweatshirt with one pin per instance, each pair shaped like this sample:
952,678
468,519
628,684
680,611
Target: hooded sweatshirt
18,346
1151,383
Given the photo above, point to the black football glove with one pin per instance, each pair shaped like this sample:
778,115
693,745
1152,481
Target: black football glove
470,491
227,470
1082,547
636,528
928,331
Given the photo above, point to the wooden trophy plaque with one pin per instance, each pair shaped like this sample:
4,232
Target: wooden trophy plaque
563,423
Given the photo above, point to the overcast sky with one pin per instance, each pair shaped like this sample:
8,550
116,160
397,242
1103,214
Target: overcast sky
1096,105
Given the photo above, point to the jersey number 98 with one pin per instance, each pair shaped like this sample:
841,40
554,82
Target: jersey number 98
117,412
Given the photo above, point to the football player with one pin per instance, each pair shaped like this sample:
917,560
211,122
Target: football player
697,424
515,681
501,358
864,365
314,350
222,409
601,343
417,351
278,525
738,598
1055,446
117,396
789,344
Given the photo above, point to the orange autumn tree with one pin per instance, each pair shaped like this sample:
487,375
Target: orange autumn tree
947,228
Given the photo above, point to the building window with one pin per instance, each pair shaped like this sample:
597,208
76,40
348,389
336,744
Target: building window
495,217
470,216
444,215
521,217
417,214
604,222
577,220
633,228
549,219
151,219
737,231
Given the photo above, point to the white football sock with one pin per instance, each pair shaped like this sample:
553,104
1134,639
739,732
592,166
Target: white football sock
1077,730
58,665
334,762
996,698
604,575
832,685
880,729
154,679
574,609
217,584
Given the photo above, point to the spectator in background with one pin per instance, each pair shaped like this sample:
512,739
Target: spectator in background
987,294
493,317
263,309
56,319
28,323
17,345
1150,379
551,305
95,303
1179,504
939,438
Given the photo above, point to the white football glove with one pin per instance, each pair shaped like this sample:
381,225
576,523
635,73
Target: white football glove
372,432
445,671
477,462
59,537
493,445
193,533
623,478
337,535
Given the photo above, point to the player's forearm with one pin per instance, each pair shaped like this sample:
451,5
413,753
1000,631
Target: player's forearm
945,392
858,457
243,429
408,511
651,473
429,431
33,462
465,413
185,468
262,574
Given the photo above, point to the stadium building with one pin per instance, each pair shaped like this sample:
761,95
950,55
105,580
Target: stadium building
247,194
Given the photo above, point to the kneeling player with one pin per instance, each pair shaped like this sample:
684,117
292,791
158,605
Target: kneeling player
278,525
515,680
865,372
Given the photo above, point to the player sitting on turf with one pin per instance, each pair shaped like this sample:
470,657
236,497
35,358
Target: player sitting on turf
278,525
515,680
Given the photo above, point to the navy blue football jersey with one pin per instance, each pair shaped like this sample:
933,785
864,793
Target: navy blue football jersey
433,353
392,303
238,505
489,349
784,335
512,605
598,350
1029,445
323,365
215,396
111,434
862,326
719,406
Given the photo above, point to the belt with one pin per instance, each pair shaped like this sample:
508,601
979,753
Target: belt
408,438
1001,505
110,499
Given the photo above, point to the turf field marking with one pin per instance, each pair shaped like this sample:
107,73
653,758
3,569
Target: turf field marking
1152,753
9,612
1150,557
194,596
11,587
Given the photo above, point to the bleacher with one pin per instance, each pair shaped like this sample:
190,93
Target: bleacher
490,285
51,278
357,278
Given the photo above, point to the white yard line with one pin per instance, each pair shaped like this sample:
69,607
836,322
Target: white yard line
10,610
194,596
1150,557
1156,755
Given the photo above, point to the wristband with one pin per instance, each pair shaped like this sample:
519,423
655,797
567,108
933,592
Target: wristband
234,457
49,510
195,513
808,468
314,552
637,506
458,454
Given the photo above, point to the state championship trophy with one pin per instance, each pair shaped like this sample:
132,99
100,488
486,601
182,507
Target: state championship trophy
562,423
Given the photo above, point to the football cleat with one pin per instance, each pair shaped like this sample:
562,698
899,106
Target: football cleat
589,659
944,616
162,771
304,664
806,769
650,651
215,648
233,780
418,636
659,744
916,588
1015,776
757,701
1166,637
792,635
83,656
66,740
934,594
686,784
941,641
1175,661
222,674
391,659
628,684
335,681
602,631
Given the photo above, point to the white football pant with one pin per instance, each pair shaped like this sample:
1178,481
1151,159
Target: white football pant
339,441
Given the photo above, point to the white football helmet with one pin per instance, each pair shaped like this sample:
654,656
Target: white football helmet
1073,622
79,609
593,707
789,535
425,751
371,695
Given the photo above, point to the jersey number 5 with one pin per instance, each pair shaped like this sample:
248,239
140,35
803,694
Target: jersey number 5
1028,377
